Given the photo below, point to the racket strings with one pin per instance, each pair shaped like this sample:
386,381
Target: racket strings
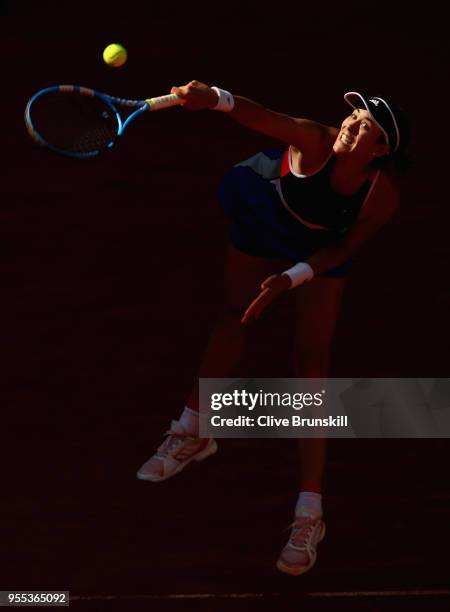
94,139
74,123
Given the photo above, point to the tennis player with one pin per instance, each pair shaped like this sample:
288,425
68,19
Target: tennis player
298,213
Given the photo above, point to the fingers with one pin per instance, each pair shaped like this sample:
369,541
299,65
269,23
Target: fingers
186,91
182,93
271,288
268,282
256,307
278,283
252,312
195,95
248,316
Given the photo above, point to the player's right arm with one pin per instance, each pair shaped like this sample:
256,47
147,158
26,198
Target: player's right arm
310,137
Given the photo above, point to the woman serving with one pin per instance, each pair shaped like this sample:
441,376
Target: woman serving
298,215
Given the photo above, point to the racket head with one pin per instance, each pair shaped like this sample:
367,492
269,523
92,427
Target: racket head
73,121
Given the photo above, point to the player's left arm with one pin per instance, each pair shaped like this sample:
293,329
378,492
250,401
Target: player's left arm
376,212
381,205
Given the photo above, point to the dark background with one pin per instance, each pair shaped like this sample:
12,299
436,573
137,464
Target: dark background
111,279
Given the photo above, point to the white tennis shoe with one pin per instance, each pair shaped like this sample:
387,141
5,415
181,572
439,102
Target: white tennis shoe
300,553
175,453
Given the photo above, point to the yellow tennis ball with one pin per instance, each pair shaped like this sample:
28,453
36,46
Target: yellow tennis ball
115,55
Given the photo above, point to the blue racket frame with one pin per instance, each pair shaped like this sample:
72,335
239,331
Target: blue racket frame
141,106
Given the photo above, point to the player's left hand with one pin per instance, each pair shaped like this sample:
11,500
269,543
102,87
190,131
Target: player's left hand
270,289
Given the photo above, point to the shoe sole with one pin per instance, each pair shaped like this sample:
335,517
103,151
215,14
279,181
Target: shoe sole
298,571
204,454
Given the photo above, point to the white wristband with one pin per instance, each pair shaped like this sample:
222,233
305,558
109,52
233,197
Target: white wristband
226,100
299,273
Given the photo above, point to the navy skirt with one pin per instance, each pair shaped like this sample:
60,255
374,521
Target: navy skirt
263,227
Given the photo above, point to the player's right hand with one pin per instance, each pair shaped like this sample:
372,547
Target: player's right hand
196,95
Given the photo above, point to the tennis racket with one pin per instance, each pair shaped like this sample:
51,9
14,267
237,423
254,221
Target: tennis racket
81,122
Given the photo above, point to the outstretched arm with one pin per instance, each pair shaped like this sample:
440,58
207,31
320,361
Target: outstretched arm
310,137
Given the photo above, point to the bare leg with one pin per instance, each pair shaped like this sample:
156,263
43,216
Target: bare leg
318,305
243,277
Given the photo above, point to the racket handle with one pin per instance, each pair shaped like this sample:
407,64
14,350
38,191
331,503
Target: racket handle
163,102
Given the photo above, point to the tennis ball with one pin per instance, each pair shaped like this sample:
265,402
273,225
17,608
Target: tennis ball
115,55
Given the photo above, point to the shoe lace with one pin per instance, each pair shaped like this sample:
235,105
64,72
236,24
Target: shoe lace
302,531
173,442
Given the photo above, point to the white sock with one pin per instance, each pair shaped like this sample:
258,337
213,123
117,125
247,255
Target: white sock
189,421
309,503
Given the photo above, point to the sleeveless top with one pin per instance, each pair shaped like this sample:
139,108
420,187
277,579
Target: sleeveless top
293,214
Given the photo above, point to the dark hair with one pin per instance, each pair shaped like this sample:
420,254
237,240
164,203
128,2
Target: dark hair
400,161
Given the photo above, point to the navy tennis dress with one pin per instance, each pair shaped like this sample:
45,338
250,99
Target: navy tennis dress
277,213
